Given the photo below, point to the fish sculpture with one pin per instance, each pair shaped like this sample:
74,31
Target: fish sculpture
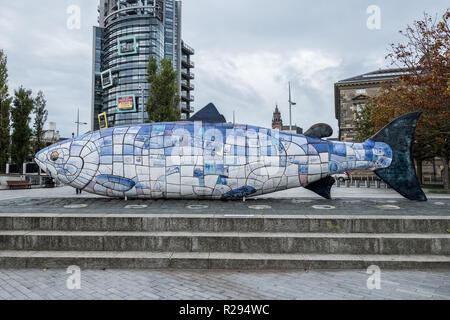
196,160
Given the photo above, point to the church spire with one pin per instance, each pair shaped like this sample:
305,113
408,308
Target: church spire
277,122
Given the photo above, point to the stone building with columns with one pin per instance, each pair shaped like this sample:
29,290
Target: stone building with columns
353,93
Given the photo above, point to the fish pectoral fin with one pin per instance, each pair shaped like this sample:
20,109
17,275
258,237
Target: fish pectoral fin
322,187
115,182
319,131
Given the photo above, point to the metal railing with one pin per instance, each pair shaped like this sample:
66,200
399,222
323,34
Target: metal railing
118,11
185,107
185,84
363,183
189,75
188,48
189,98
188,63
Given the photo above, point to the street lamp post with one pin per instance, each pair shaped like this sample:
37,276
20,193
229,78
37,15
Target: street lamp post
291,103
78,123
78,191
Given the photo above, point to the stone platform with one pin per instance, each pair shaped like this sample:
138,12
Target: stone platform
266,205
257,234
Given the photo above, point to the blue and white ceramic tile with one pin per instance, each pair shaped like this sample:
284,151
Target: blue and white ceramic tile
197,160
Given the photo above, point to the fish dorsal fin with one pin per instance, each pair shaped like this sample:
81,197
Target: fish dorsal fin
209,114
322,187
319,131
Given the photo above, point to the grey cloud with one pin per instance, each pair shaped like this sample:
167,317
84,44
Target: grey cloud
44,54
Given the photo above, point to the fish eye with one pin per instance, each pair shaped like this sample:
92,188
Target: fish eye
54,156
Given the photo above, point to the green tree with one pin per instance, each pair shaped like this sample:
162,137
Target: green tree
5,106
20,118
363,123
40,117
425,54
162,104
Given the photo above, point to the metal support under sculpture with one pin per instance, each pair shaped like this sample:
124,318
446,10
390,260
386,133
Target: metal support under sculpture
195,160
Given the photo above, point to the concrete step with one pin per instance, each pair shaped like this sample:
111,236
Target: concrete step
236,242
227,223
215,260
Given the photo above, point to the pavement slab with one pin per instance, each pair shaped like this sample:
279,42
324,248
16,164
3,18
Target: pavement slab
222,285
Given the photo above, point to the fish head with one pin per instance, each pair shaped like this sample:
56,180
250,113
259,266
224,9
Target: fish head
65,163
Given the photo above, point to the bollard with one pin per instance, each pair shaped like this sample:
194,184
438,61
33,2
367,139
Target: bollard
338,183
377,184
366,183
357,183
347,183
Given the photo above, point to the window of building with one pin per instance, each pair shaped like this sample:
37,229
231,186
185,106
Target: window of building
358,107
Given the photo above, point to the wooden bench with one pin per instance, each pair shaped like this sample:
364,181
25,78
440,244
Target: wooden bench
18,184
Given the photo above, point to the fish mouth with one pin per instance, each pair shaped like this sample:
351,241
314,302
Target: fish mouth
39,163
42,166
40,160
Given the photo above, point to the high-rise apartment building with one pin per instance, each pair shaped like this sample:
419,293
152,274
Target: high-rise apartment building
130,32
187,87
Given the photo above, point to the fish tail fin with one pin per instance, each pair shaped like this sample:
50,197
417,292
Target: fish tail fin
401,174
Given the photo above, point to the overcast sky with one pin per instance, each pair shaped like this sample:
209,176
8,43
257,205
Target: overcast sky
246,52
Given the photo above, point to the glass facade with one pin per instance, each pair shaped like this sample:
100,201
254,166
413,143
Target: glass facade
97,90
130,33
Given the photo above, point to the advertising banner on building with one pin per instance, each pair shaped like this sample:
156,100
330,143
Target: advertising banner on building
127,45
126,103
103,121
107,80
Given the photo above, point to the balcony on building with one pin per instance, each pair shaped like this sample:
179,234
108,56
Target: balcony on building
186,74
187,63
185,49
187,97
185,107
186,85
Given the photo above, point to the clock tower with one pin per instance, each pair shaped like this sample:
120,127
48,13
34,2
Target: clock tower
277,123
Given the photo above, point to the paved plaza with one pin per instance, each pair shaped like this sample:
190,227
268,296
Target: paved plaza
336,193
220,284
346,201
223,285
